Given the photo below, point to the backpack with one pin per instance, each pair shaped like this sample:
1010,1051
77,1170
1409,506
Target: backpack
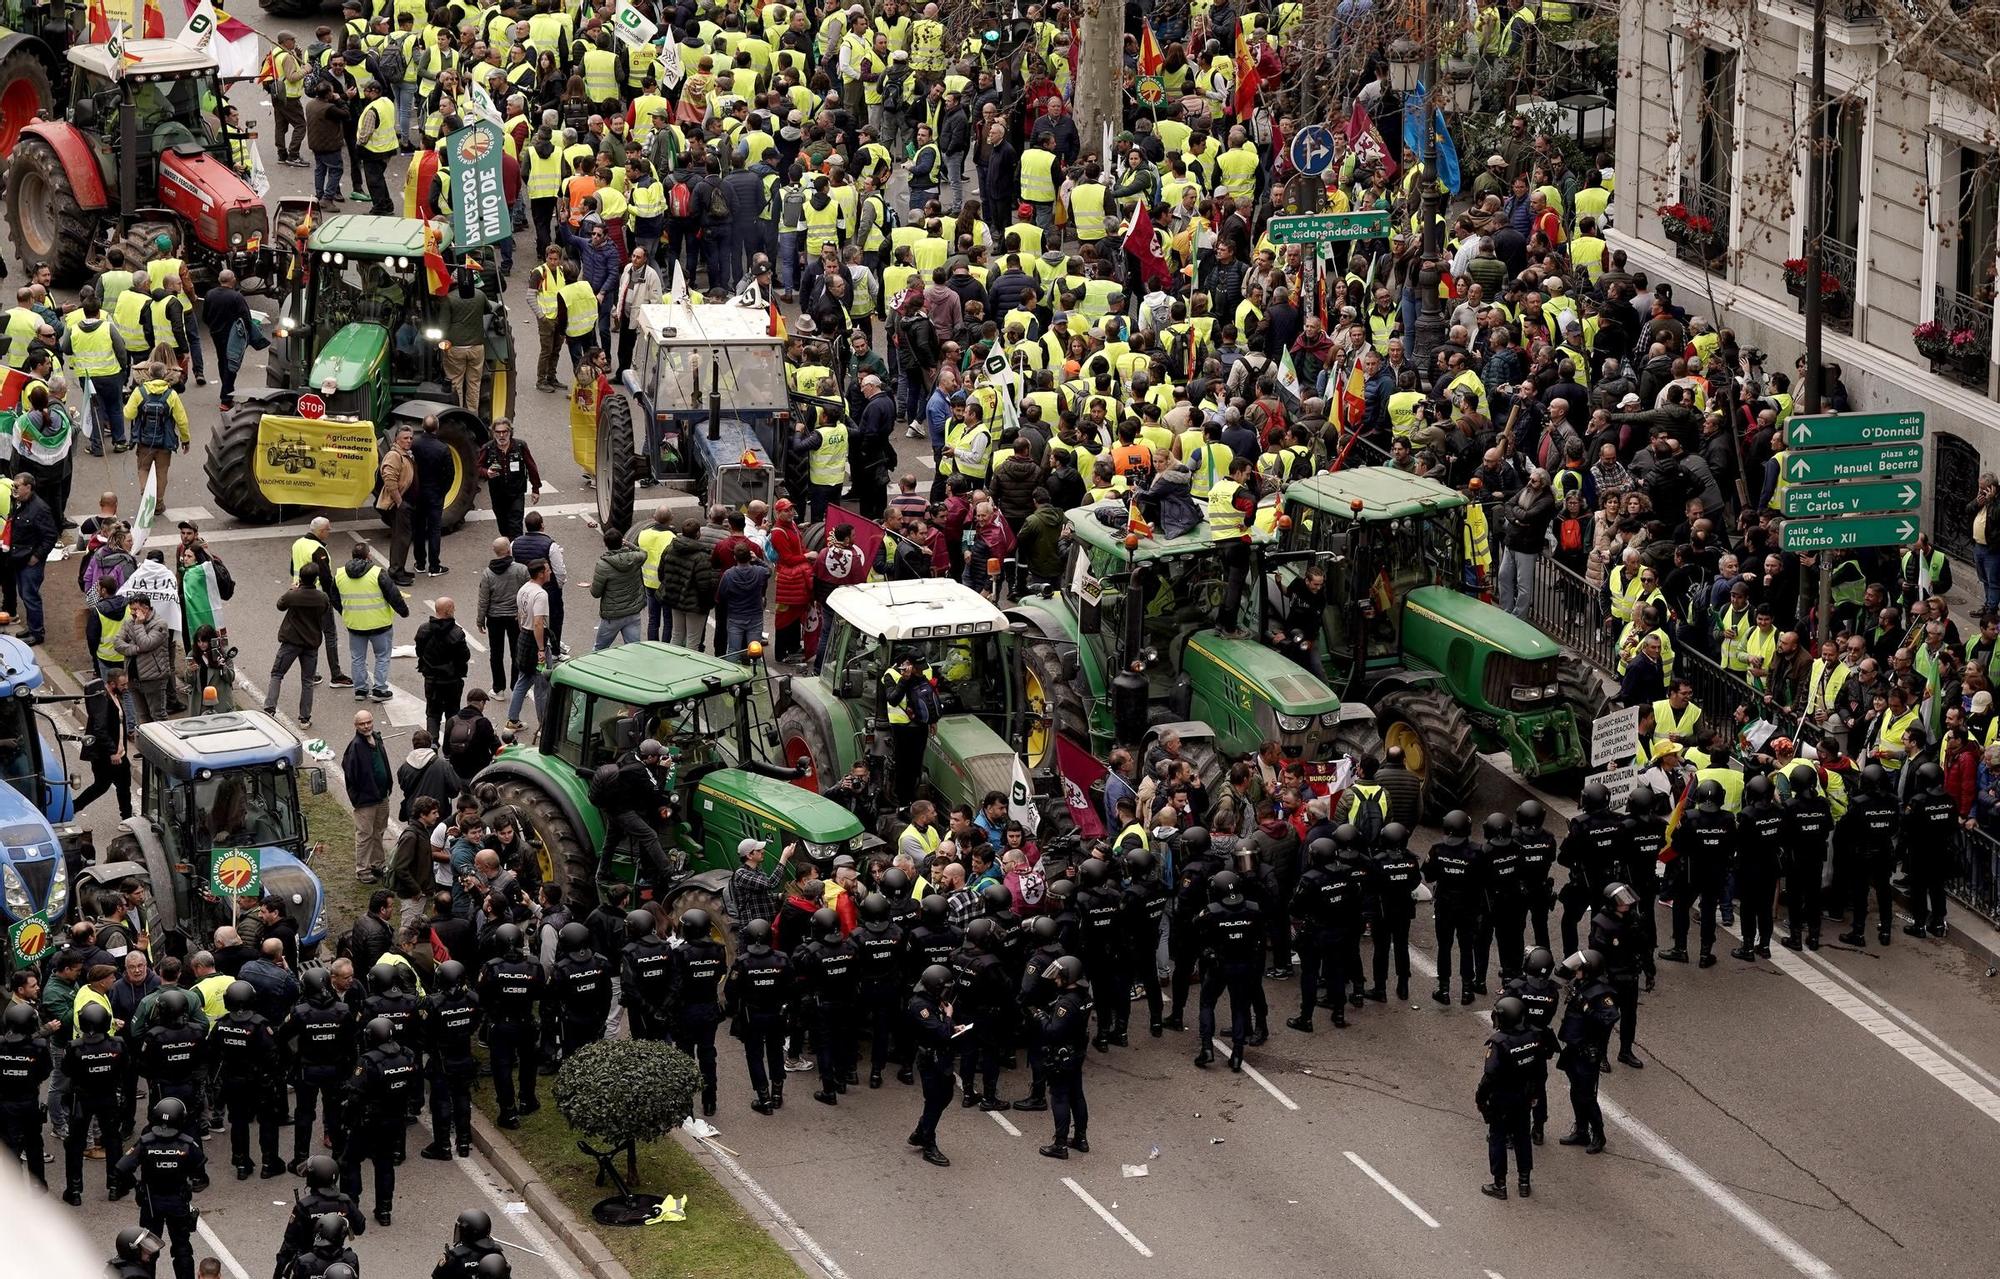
1368,813
155,424
316,79
458,736
1569,534
924,708
680,201
390,64
715,205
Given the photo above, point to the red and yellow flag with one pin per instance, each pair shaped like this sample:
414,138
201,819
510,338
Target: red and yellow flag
1247,79
1150,57
436,273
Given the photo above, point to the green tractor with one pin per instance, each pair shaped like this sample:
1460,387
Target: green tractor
828,722
706,711
1446,674
354,355
1136,644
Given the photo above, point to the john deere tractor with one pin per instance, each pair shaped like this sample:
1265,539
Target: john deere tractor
1446,675
827,722
1137,642
704,710
356,343
140,161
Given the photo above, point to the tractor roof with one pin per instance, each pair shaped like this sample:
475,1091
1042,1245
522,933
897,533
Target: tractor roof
1384,492
706,323
237,739
651,674
1085,528
144,60
19,671
368,235
926,609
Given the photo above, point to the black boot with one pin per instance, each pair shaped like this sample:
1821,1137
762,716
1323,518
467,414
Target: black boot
73,1195
1236,1058
1792,942
992,1104
1465,996
1852,939
1596,1146
1442,994
1056,1150
1707,959
1033,1101
1260,1035
1080,1144
827,1097
1379,994
1743,952
1913,930
1339,1019
1577,1136
935,1157
1402,989
708,1102
436,1151
1301,1023
906,1076
1675,956
1526,1187
778,1093
1626,1057
1535,1134
1206,1056
763,1103
1175,1022
874,1079
1495,1190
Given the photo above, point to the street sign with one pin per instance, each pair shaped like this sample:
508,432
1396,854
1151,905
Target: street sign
1851,533
310,405
1853,499
1330,228
1312,150
1815,466
1614,736
1840,430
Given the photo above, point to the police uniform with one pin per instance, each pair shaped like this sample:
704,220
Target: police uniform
1505,918
934,1030
580,986
827,978
1103,951
1456,874
699,968
1183,938
1591,851
509,987
1808,827
94,1071
1535,875
1760,834
1142,908
451,1017
1393,875
1586,1037
1704,852
319,1040
1616,937
755,996
878,966
246,1056
1541,996
985,993
646,986
168,1167
1328,899
171,1057
1232,946
1516,1071
24,1064
1062,1030
377,1105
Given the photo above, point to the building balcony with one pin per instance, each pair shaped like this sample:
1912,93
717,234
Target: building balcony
1710,251
1957,311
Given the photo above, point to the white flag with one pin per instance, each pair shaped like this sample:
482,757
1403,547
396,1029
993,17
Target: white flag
667,67
631,26
149,506
156,584
482,104
199,33
1021,800
1288,377
678,294
258,177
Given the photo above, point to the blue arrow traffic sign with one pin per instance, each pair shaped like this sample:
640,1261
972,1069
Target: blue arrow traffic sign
1312,149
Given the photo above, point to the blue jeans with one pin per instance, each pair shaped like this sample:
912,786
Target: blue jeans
326,174
407,118
954,168
524,682
658,616
28,581
790,245
1516,592
741,631
358,648
611,628
1988,564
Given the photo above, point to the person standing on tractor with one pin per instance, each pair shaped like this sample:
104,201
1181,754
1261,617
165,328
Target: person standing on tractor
375,134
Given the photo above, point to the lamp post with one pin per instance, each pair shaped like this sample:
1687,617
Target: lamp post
1411,65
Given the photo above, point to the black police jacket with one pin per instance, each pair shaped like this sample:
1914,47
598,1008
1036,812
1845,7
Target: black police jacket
1869,826
1328,900
94,1068
1063,1028
1516,1068
509,985
1616,937
698,973
1232,937
826,971
1705,847
1593,850
758,986
1392,876
933,1026
878,956
647,976
167,1164
381,1083
171,1054
1097,908
1809,825
24,1064
1760,838
927,946
581,985
1538,858
1141,907
1504,885
1038,991
314,1262
308,1206
1645,840
1456,876
1930,828
1540,995
461,1260
451,1019
245,1050
320,1038
1588,1020
982,981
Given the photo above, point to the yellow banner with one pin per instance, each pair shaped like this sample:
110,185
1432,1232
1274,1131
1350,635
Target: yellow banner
305,461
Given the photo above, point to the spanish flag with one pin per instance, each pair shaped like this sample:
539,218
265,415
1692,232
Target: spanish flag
436,272
1150,57
1247,79
1353,406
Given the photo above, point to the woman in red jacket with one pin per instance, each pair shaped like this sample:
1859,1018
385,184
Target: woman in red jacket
1961,772
794,584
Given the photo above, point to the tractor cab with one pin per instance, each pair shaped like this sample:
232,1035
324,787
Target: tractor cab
39,847
211,782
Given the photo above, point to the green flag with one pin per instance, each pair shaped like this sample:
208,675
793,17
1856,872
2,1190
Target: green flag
201,599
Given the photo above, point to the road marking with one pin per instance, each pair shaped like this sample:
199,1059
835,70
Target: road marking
1001,1119
1495,1274
1392,1188
778,1214
373,526
1912,1023
192,514
1269,1087
1108,1219
479,1174
222,1253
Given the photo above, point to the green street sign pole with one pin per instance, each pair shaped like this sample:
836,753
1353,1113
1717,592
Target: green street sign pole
1851,533
1827,466
1843,430
1879,498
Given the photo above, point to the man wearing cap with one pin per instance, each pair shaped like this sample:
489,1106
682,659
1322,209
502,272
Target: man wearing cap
754,893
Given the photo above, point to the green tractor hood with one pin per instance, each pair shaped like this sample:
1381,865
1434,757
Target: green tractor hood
1444,629
1255,671
352,358
968,760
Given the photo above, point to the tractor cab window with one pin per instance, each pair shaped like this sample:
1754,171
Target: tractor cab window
379,291
752,378
1182,592
960,669
250,809
1333,543
702,727
17,749
591,729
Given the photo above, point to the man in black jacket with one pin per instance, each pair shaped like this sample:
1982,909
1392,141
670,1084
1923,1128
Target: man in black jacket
443,657
110,767
373,934
874,448
1524,529
35,528
436,465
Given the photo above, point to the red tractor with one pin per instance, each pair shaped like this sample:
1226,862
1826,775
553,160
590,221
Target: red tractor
32,70
141,158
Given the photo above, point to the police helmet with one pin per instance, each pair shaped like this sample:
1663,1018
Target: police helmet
315,984
1616,895
1139,863
1395,835
1226,886
1061,890
338,1270
895,883
1595,799
1496,826
875,913
1509,1013
983,933
1090,874
168,1112
174,1006
322,1173
935,910
1195,841
997,899
473,1226
638,923
695,924
1066,971
451,974
19,1020
1345,836
1930,776
494,1265
1323,851
1043,928
381,1030
1757,790
329,1231
382,979
1639,801
1457,824
1540,963
1584,963
1528,814
1875,779
826,923
1708,796
139,1246
509,938
239,996
94,1019
1805,781
936,980
757,937
573,938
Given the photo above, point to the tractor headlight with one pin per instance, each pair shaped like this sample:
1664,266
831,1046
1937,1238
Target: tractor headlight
822,852
19,905
318,928
433,335
1294,723
1530,694
59,889
236,241
1330,719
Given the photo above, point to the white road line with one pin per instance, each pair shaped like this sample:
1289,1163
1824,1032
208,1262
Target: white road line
1898,1014
1392,1188
192,514
1495,1274
778,1214
373,527
1269,1087
477,1172
1002,1120
222,1253
1109,1220
1749,1218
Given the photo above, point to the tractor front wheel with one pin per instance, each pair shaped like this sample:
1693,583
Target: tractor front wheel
1582,690
567,858
49,227
458,430
231,462
691,895
1053,706
1436,741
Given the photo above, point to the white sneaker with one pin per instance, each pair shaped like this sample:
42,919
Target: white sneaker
800,1065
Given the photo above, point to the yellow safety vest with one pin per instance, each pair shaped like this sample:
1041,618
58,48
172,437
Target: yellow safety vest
1624,593
1087,202
972,464
927,45
652,540
545,173
1677,726
362,607
1208,462
600,75
1889,740
829,460
1224,520
210,991
108,631
22,325
1733,650
163,320
1403,412
581,300
160,270
303,550
1777,502
1825,687
1038,177
822,226
1239,171
928,840
376,130
1731,781
546,293
92,350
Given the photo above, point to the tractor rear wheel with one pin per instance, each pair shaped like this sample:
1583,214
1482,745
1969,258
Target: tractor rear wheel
49,227
1356,738
141,243
569,859
232,459
805,742
617,464
1053,706
1436,740
687,896
24,92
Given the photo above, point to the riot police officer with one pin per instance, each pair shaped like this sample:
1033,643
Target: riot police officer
985,995
451,1019
1097,904
509,986
1760,840
1191,898
1141,909
932,1025
1059,904
1393,876
1538,992
934,940
172,1053
1930,836
138,1254
471,1243
329,1249
1645,840
646,978
94,1068
1505,917
321,1195
903,908
169,1169
1037,992
24,1064
318,1040
878,964
827,981
1809,825
755,995
1328,900
1705,846
1615,936
1592,851
1516,1071
246,1059
1455,874
1585,1036
699,967
377,1102
998,902
1536,874
580,984
1867,836
1061,1029
1231,936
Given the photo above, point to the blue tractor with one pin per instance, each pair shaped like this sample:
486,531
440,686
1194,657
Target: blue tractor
41,849
212,782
